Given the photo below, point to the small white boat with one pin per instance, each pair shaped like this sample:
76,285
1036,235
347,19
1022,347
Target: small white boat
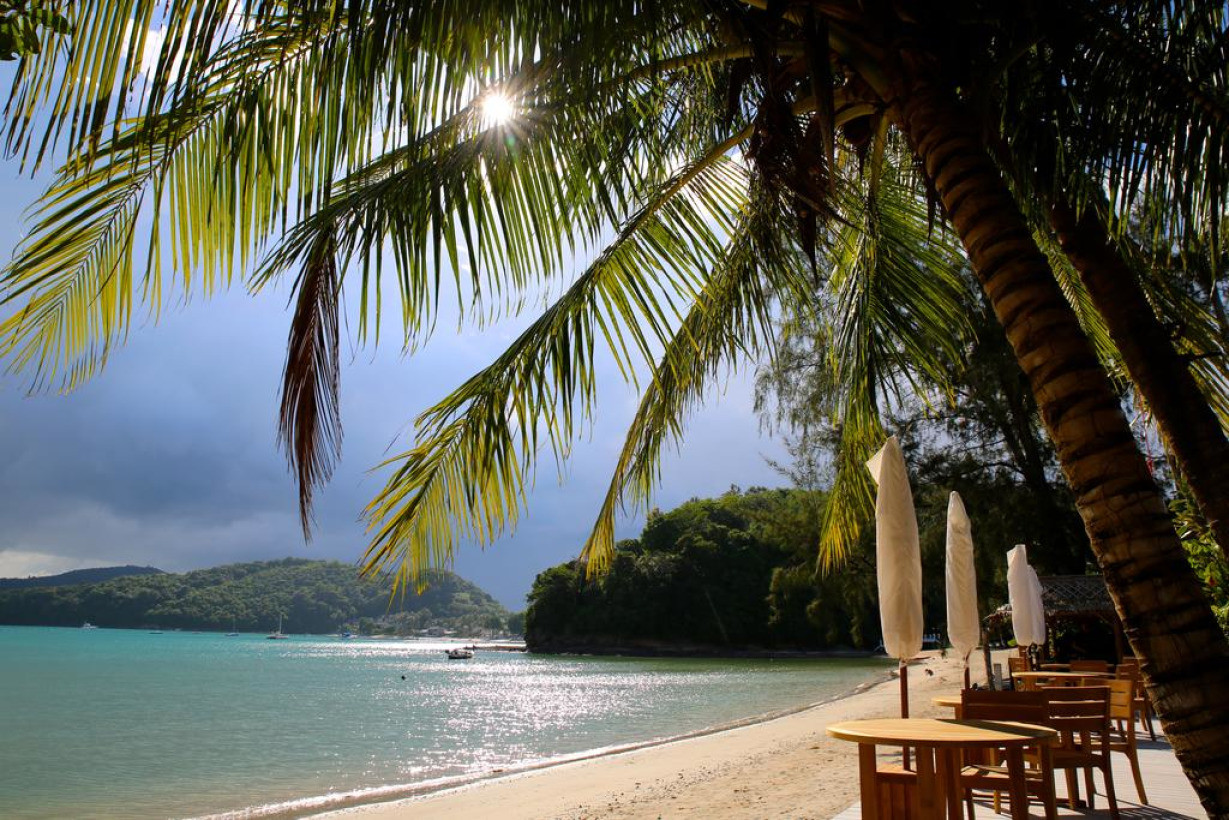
88,625
278,635
460,654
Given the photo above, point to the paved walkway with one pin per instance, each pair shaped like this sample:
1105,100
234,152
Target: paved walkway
1170,795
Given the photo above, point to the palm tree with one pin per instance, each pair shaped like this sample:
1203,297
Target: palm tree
326,134
1148,135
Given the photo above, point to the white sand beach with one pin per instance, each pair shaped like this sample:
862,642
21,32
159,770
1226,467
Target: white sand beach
784,767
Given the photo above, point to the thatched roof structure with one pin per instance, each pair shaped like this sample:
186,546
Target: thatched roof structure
1070,595
1075,597
1075,594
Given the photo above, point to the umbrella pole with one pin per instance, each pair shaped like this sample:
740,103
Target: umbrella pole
904,706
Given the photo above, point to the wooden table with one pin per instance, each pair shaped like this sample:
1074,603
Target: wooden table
940,744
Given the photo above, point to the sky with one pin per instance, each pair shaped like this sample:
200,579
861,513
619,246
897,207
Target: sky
168,458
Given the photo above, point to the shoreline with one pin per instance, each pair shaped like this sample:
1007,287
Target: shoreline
745,768
347,804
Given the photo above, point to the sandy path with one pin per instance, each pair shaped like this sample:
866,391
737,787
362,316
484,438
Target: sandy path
786,767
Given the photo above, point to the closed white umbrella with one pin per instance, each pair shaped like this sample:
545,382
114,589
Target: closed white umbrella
898,561
963,625
1024,594
1039,607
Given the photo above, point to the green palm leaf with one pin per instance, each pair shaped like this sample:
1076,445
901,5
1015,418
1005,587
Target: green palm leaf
466,476
730,319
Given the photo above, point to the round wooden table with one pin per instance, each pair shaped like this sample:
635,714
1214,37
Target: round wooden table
939,745
950,701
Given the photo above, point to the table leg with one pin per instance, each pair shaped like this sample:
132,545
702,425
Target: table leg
1019,788
869,785
1047,777
927,784
949,762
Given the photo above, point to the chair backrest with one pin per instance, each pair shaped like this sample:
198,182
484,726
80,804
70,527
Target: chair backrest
1078,709
1090,666
989,704
1060,681
1122,699
1017,665
1128,662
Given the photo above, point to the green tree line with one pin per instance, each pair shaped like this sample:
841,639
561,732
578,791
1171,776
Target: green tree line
309,596
739,572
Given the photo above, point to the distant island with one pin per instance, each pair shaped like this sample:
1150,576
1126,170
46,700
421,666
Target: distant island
94,575
309,596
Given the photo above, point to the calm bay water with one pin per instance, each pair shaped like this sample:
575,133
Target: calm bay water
123,723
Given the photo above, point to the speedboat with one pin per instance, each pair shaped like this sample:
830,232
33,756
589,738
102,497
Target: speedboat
88,625
460,654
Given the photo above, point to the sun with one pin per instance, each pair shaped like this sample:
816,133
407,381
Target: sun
497,109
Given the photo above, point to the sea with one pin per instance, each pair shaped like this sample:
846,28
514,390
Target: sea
134,724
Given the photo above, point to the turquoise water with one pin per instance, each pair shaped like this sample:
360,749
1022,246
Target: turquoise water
123,723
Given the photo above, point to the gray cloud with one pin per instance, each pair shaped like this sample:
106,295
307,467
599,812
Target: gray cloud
168,458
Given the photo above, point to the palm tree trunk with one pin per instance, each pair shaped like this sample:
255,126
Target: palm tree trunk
1186,420
1167,618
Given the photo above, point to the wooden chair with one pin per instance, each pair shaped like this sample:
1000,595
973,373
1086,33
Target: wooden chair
897,795
1081,716
1015,665
1129,670
1090,666
1122,737
990,775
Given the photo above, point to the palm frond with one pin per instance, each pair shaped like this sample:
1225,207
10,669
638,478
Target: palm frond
75,277
309,422
729,320
897,316
466,477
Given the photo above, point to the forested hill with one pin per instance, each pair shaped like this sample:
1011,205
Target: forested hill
311,596
738,573
93,575
735,573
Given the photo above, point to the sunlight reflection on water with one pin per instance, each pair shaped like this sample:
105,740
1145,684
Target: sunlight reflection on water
181,723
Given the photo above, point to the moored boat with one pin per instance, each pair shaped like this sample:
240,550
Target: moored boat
278,635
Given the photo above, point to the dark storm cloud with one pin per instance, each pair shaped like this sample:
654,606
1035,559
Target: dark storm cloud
168,457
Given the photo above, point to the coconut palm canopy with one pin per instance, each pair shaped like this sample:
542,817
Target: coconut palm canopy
718,163
397,163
